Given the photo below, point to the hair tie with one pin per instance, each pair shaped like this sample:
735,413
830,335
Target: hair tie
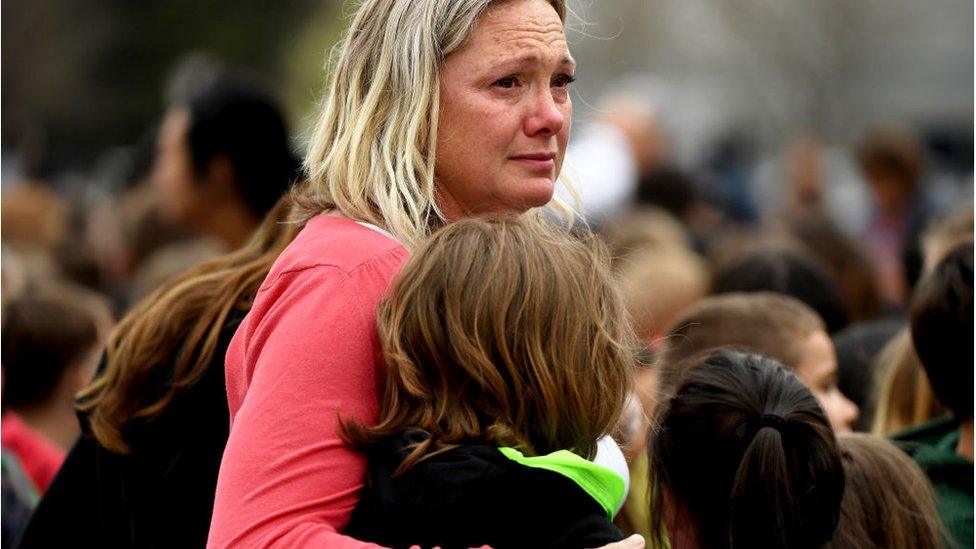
772,420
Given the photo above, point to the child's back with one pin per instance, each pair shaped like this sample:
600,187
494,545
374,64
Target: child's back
509,356
476,494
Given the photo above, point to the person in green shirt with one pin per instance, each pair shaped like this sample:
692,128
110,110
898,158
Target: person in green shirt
941,317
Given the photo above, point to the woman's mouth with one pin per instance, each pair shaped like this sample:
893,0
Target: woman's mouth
542,162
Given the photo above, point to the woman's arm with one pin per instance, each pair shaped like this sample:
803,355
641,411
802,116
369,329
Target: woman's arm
309,352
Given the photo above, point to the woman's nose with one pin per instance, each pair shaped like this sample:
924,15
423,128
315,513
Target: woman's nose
546,116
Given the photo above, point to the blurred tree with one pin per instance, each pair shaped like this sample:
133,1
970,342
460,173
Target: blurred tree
83,75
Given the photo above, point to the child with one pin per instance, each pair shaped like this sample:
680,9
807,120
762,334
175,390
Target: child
50,347
888,502
941,318
773,325
509,355
745,457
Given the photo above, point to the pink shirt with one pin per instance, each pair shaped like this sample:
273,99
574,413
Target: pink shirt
39,457
307,352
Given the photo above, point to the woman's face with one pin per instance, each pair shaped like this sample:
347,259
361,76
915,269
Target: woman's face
173,173
504,112
818,371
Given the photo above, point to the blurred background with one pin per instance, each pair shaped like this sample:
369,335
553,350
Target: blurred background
732,120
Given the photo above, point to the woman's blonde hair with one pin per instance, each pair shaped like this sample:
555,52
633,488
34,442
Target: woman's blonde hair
371,154
905,397
167,341
505,332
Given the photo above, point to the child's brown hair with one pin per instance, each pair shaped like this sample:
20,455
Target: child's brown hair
507,332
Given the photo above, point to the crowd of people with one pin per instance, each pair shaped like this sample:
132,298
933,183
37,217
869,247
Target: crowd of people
453,326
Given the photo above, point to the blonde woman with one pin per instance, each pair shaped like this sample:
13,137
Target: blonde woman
437,110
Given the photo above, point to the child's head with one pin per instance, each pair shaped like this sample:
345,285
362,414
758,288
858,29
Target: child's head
772,325
506,332
50,344
745,457
888,501
785,271
941,316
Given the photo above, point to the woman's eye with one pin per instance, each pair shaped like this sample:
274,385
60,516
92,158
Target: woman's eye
563,80
507,83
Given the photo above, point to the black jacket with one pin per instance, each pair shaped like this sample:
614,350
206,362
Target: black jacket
159,495
471,496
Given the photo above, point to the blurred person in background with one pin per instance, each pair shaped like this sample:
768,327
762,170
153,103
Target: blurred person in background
774,325
50,347
859,347
34,224
784,270
641,230
660,277
810,178
905,397
155,418
845,261
941,319
222,158
624,144
944,234
888,501
892,162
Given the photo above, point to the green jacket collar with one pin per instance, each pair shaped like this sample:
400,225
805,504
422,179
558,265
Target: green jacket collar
602,484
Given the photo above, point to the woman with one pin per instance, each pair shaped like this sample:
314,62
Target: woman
437,110
155,419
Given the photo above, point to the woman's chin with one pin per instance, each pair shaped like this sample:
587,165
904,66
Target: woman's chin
537,192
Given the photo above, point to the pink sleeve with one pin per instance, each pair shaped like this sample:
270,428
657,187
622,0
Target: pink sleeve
286,478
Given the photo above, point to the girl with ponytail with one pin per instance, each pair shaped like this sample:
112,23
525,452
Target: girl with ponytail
745,457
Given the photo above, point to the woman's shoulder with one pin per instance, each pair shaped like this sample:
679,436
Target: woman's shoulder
342,247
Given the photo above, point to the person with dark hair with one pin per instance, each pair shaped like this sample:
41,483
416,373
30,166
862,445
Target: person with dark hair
223,158
941,318
155,418
670,189
744,457
785,271
844,260
892,161
858,346
49,351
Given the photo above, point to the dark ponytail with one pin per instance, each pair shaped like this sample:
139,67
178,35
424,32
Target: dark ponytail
746,453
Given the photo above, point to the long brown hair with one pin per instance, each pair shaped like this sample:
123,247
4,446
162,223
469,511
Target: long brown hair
177,327
888,501
507,332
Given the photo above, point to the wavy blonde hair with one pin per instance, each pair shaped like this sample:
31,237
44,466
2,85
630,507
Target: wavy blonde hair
372,152
504,332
